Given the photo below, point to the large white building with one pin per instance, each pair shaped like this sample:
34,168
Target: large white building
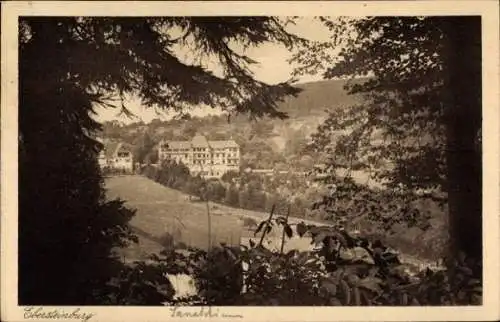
210,159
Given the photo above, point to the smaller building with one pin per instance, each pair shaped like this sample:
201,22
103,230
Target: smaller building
116,156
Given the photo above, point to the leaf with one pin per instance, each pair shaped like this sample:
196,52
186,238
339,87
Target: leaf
329,286
303,257
291,253
352,278
342,240
371,283
301,229
391,258
473,282
404,299
259,228
461,257
477,289
373,271
357,296
314,230
280,220
346,291
363,242
262,251
476,299
288,231
346,240
319,238
466,270
366,298
334,301
230,253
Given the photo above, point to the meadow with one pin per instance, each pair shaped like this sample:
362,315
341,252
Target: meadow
162,210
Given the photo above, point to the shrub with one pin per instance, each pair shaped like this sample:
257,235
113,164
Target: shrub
324,276
232,196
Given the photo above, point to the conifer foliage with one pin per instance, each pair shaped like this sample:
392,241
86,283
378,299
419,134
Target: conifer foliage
69,65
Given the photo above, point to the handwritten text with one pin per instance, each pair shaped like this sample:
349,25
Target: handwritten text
31,312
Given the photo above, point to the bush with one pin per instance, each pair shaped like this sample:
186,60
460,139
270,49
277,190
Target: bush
321,277
230,176
243,199
232,196
216,191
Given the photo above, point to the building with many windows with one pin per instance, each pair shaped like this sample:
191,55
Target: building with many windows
210,159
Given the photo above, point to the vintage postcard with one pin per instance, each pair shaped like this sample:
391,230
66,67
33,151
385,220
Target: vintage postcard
250,161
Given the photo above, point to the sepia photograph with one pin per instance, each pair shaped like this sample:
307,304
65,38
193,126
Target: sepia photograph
196,162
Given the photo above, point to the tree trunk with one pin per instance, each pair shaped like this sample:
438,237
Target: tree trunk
464,117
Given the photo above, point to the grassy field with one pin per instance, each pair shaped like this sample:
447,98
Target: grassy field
162,210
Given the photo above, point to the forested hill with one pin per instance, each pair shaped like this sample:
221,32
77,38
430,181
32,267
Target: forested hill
265,143
318,96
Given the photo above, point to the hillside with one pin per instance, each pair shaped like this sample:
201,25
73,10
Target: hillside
316,97
269,141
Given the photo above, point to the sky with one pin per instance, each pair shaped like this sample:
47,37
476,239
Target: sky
272,67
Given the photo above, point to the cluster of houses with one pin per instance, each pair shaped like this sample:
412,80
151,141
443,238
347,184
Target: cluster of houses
116,156
209,159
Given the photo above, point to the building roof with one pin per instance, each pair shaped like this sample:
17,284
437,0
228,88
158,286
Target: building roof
111,148
223,144
124,147
178,144
199,141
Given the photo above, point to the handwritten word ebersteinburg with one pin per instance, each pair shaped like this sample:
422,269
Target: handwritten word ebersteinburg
31,312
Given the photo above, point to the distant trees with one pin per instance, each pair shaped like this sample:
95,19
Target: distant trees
232,196
173,174
250,192
216,191
189,131
254,137
144,152
262,128
243,199
229,176
295,144
305,163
